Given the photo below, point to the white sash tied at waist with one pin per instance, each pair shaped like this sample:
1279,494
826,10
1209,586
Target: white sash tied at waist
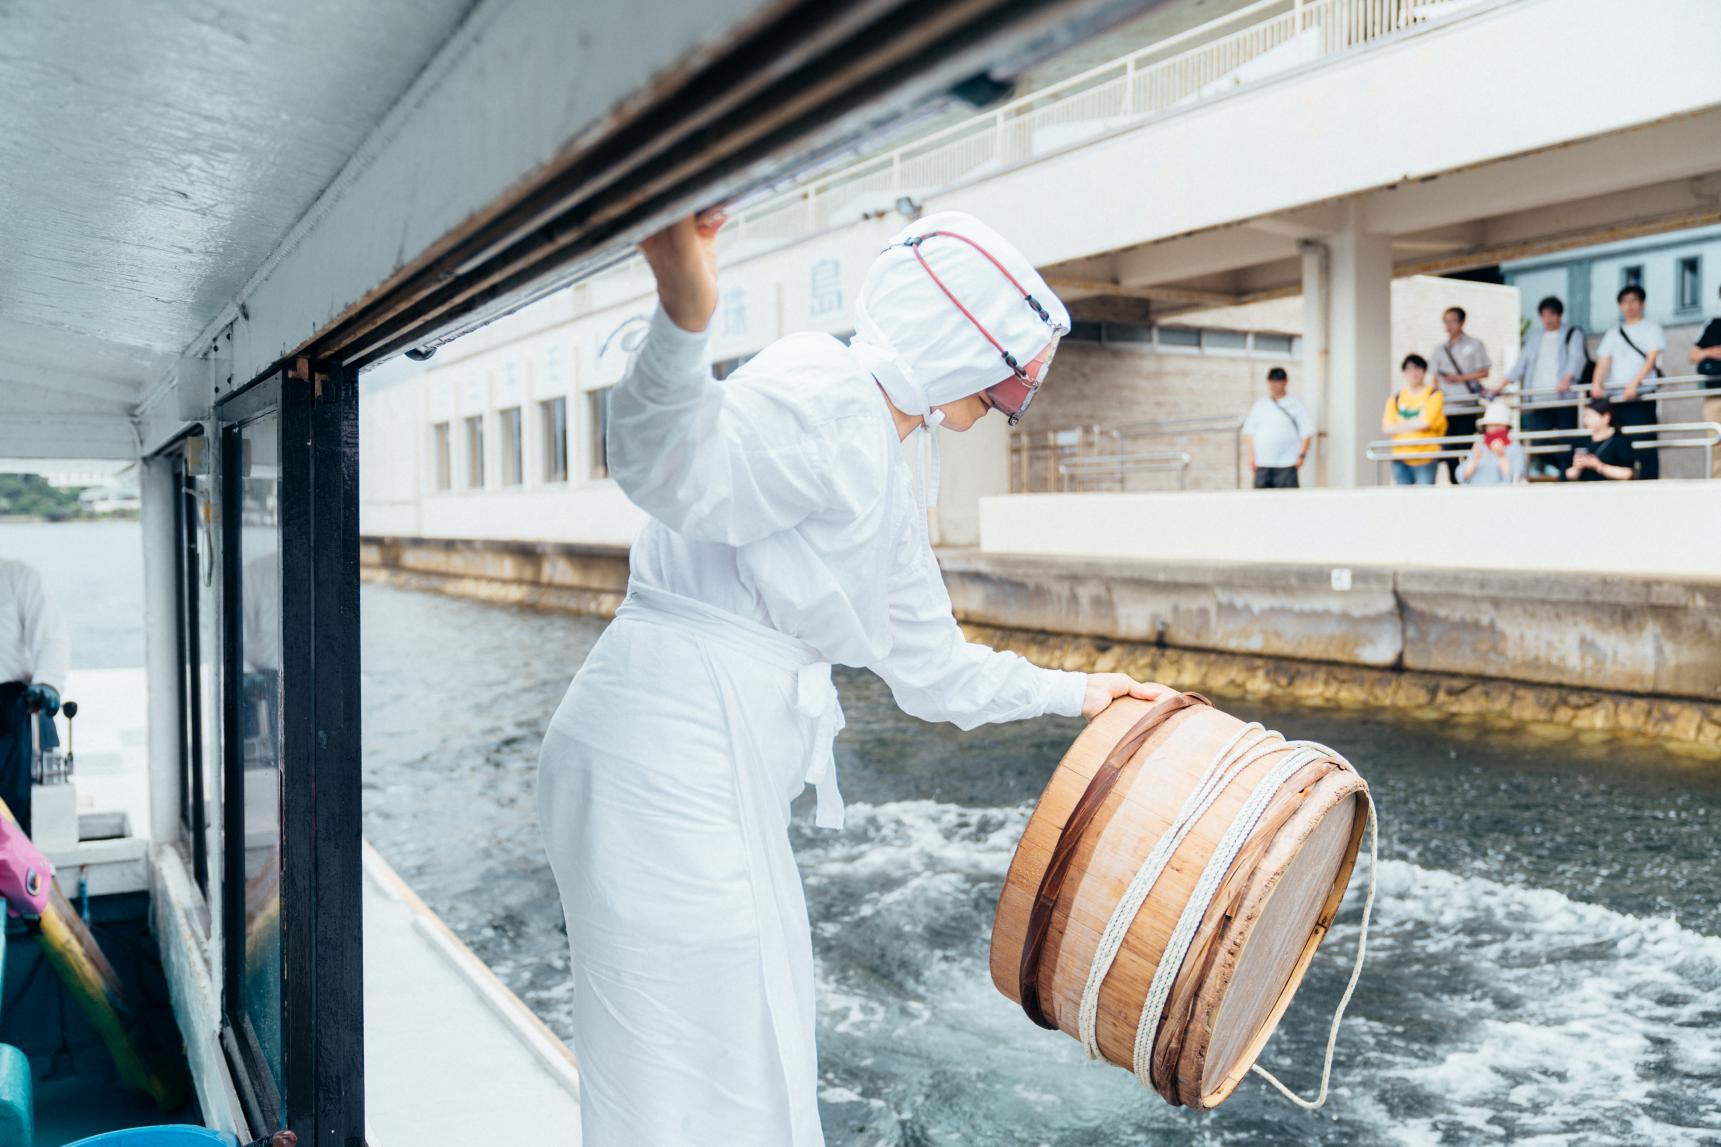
815,692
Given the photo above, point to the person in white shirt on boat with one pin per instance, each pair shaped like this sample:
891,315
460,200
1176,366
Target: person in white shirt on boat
35,656
787,534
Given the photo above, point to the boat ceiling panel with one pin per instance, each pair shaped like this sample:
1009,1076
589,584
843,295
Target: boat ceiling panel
154,152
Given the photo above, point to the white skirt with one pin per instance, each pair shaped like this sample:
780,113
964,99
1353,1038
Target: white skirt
664,790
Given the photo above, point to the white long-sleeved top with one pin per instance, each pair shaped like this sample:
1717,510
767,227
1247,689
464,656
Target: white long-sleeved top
781,495
33,642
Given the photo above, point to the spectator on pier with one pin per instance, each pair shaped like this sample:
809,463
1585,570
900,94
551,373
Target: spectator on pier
1461,367
1495,460
1552,362
1706,357
1609,455
1627,360
1277,431
1415,413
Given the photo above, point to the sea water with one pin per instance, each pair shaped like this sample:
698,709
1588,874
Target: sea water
1544,964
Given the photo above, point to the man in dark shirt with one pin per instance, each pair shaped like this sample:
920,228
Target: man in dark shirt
1706,355
1610,456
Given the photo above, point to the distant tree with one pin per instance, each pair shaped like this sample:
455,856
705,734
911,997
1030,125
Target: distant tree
30,495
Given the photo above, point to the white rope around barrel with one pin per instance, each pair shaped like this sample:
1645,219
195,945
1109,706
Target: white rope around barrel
1182,936
1234,756
1251,743
1350,987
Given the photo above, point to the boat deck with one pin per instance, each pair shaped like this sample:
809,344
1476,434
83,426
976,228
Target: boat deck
451,1055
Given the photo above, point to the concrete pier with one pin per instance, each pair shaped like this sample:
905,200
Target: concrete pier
1573,650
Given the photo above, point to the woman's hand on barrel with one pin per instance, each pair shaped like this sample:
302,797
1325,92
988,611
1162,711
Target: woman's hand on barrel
683,260
1104,688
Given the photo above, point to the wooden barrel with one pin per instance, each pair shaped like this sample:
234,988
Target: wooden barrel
1255,939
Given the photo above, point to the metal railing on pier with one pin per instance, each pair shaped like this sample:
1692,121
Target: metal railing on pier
1660,390
1221,56
1698,435
1109,457
1704,436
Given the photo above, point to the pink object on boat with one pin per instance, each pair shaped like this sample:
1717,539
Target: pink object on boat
25,874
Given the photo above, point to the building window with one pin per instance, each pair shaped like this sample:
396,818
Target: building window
1631,276
1276,345
1690,285
442,450
1188,337
1224,342
513,463
553,417
598,411
475,452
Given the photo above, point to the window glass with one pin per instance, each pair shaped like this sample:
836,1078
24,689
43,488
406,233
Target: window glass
258,532
443,452
1224,341
475,452
1178,336
1126,333
513,463
1631,276
553,416
1690,284
1272,344
599,409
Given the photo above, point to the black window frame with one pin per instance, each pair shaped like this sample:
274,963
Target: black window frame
187,575
322,951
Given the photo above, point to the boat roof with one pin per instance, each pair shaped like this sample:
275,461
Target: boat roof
195,195
159,154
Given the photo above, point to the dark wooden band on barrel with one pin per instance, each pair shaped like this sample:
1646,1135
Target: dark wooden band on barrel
1052,880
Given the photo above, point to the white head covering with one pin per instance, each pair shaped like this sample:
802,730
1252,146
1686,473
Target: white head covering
1498,413
918,344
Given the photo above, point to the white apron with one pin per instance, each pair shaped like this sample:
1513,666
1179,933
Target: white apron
664,790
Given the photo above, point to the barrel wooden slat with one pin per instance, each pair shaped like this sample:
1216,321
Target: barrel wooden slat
1139,810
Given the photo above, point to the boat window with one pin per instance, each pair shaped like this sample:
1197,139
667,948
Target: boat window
198,648
258,534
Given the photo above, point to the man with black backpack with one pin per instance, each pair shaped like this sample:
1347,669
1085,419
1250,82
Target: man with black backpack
1552,362
1627,361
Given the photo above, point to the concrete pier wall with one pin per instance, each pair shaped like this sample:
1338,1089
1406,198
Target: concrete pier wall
1640,654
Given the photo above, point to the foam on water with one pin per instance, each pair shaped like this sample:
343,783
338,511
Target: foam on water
1527,983
1488,1012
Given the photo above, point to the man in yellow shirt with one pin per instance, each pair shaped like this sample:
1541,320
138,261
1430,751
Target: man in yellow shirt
1415,413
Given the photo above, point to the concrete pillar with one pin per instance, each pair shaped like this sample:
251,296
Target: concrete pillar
1359,336
1317,294
976,464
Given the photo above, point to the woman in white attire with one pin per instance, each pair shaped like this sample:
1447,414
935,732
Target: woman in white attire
785,537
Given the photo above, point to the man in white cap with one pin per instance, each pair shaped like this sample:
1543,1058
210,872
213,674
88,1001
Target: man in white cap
35,655
787,534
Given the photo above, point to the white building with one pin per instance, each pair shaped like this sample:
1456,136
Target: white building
1680,273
